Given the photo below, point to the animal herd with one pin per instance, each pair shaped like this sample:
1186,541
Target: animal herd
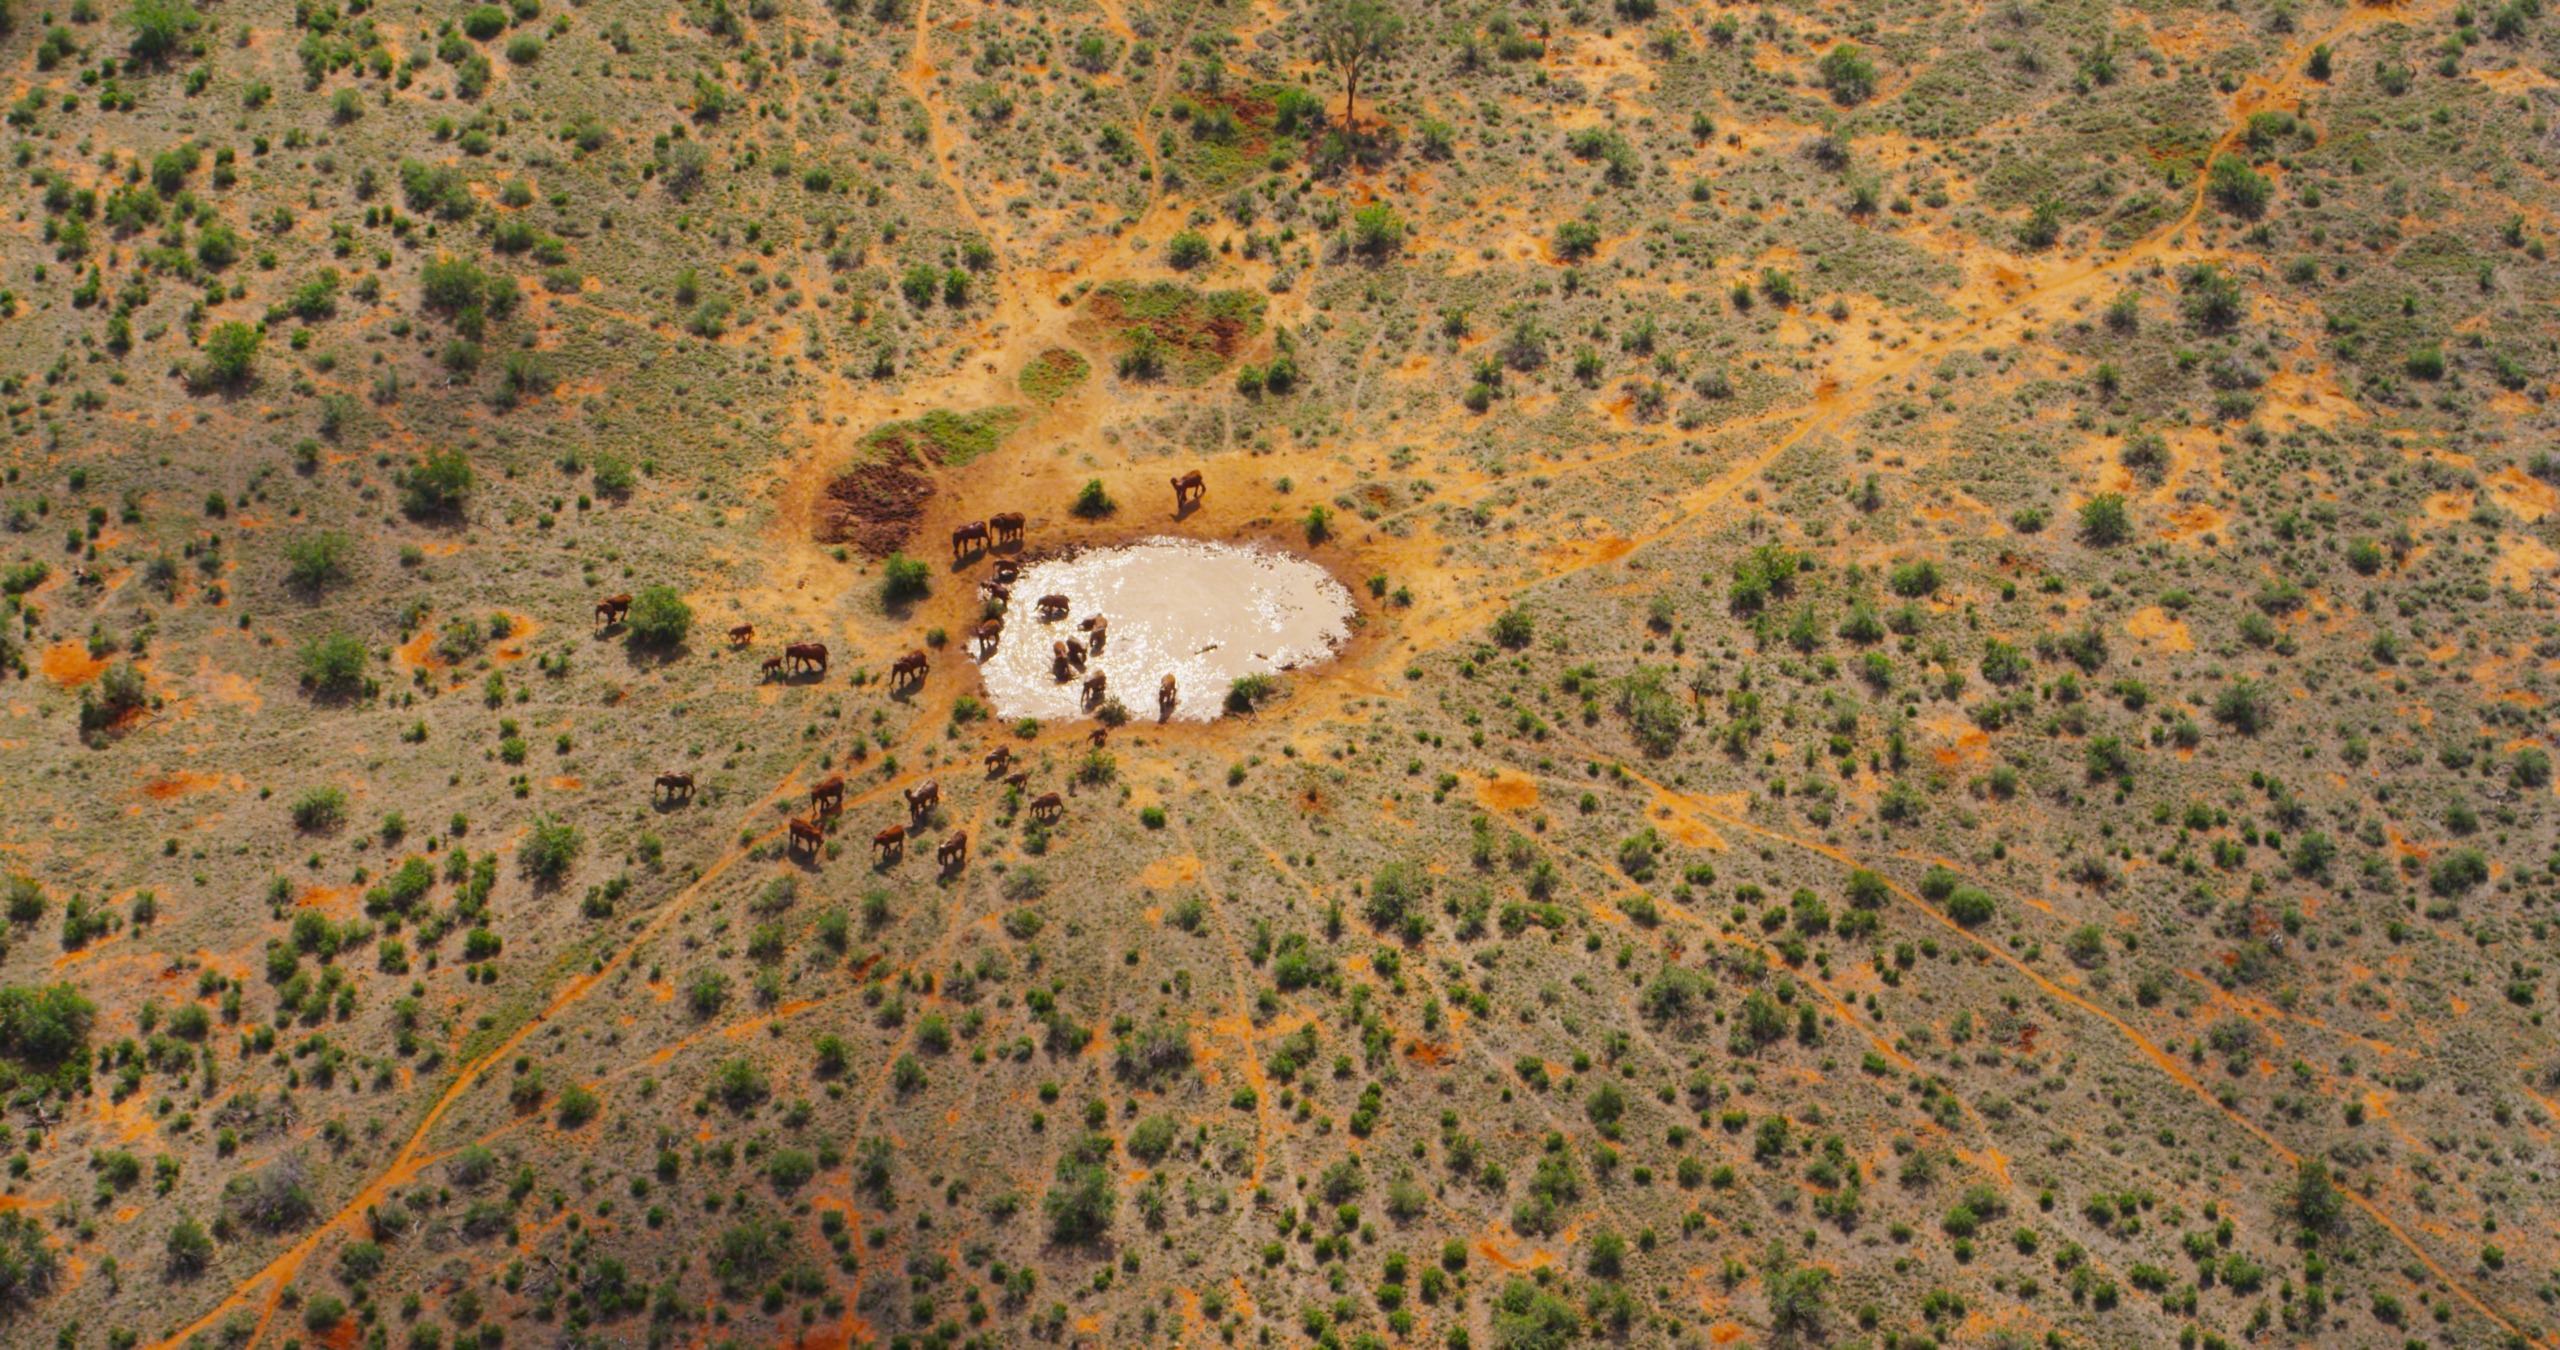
1069,656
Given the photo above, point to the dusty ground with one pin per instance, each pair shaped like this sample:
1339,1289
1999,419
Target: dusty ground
1944,740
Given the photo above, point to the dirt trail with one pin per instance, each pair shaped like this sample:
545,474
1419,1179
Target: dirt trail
1851,396
413,1155
1240,973
2160,1059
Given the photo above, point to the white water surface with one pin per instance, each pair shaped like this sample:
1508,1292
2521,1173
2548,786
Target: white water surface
1205,613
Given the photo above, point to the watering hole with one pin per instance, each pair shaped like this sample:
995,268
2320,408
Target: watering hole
1204,613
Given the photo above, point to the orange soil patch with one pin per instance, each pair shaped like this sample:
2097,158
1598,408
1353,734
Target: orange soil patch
173,785
1167,873
335,899
69,665
2523,560
2152,624
2444,508
1533,1257
566,783
2194,521
1508,792
2523,495
419,653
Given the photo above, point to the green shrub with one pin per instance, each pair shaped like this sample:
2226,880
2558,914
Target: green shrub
230,357
659,618
551,847
320,809
904,579
1848,74
333,664
437,485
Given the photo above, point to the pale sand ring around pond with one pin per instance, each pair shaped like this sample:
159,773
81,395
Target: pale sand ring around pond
1205,613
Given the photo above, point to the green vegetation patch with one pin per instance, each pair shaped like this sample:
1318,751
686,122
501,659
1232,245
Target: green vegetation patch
942,436
1165,327
1054,374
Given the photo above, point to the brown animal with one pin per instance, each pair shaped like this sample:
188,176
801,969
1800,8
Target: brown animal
742,635
1059,669
1075,653
998,591
1165,693
1018,780
891,840
806,831
772,667
966,538
1095,686
1099,628
611,610
1099,736
1006,524
1007,570
828,796
1048,806
801,654
954,850
910,668
999,759
1053,606
676,784
1187,489
987,633
923,797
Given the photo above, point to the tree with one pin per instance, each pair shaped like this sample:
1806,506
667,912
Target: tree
273,1198
2103,520
1396,894
2317,1202
1377,231
2242,706
230,357
1081,1205
1526,1317
551,848
1848,74
159,27
26,1264
317,561
333,664
437,484
2242,190
1513,628
903,578
659,618
1351,36
190,1247
44,1026
1798,1295
2213,300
